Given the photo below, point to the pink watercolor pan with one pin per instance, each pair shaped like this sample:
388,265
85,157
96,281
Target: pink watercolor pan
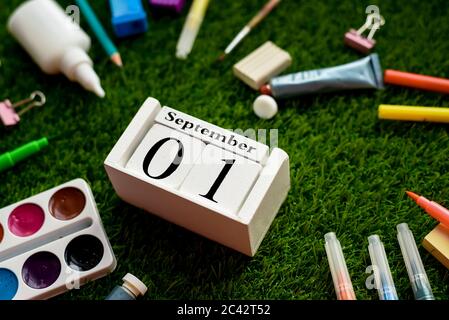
51,243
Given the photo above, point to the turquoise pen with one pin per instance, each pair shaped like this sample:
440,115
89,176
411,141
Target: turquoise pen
415,268
99,31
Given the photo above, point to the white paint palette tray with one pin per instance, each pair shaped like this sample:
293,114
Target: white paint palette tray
51,243
209,180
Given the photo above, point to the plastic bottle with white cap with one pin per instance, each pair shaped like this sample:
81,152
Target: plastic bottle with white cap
55,42
129,290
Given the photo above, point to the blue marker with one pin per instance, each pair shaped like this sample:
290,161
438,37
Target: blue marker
128,17
382,275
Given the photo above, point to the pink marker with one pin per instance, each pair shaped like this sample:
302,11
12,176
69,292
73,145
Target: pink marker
435,210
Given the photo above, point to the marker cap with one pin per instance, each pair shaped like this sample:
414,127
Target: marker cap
337,265
266,89
134,285
384,280
415,268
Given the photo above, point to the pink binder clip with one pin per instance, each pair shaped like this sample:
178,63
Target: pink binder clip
8,113
355,39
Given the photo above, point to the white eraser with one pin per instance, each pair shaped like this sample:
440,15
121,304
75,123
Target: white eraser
262,64
265,107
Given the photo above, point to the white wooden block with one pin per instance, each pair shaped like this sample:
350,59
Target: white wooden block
243,231
222,179
262,64
165,156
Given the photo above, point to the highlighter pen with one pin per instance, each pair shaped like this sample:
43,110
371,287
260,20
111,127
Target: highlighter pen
413,113
11,158
382,275
435,210
191,28
415,269
339,271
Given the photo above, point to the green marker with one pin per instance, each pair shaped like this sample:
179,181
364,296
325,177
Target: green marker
10,159
99,31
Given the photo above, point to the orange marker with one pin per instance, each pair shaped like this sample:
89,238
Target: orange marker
417,81
345,291
339,270
435,210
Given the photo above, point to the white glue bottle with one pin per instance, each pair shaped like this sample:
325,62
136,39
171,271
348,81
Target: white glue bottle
55,42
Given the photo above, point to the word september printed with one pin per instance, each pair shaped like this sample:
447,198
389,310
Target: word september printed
240,142
207,132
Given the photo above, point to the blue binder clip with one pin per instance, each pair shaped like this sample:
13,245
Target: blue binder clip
128,17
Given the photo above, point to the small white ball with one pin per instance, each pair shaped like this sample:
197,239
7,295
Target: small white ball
265,107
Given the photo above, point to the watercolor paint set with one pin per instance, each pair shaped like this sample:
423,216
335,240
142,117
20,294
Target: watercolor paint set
52,242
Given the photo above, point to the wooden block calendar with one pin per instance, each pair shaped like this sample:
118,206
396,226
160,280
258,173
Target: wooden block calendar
209,180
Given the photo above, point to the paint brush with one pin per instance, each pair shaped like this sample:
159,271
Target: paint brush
271,4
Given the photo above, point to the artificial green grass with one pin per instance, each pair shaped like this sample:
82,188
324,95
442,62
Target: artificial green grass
349,170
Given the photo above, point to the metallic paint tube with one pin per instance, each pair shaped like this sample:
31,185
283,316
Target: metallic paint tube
365,73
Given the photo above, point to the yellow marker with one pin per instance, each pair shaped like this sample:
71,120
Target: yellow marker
191,28
411,113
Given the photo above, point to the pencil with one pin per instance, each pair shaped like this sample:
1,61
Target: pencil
269,6
99,31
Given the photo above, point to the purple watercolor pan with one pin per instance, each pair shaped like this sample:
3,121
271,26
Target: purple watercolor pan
51,243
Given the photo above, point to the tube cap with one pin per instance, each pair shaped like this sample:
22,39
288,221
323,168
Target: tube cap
134,285
266,89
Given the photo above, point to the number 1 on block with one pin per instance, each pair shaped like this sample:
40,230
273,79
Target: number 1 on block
221,179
